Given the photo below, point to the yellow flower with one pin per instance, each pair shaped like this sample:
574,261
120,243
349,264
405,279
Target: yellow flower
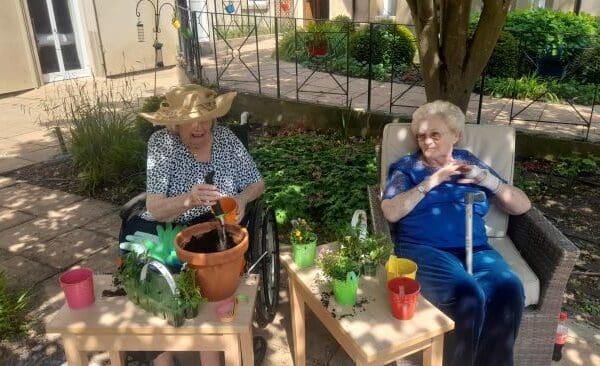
298,233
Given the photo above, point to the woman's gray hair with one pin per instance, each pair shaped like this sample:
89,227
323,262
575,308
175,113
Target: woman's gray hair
450,113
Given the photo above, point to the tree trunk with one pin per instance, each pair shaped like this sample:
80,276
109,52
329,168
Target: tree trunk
451,62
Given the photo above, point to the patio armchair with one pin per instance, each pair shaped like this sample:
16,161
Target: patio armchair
536,250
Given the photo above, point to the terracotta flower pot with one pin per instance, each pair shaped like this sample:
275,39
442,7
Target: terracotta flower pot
217,274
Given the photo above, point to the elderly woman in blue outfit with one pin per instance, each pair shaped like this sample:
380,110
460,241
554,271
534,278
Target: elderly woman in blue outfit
424,197
180,157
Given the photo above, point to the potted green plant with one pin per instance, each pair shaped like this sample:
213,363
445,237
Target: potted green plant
304,243
342,271
316,41
368,250
188,292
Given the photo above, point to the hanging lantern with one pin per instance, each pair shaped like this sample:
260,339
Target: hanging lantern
230,8
176,23
140,31
158,54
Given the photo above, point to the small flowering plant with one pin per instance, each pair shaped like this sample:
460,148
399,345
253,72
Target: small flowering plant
335,264
370,249
302,233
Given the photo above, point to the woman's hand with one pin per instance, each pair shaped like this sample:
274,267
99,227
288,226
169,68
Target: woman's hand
482,177
241,208
445,173
204,195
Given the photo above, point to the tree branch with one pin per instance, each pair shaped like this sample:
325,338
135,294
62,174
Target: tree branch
427,28
491,21
454,33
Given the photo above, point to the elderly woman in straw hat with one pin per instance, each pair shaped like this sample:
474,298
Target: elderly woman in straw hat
179,159
424,197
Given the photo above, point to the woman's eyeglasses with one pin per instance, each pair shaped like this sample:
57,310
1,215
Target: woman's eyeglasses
435,136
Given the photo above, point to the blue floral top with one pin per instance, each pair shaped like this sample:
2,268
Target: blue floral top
438,220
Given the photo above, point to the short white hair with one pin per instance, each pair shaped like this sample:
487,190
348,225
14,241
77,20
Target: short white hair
450,113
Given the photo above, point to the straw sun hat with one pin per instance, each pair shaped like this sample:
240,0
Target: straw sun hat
190,103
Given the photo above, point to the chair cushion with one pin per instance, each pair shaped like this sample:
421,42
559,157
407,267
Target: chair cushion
511,255
494,145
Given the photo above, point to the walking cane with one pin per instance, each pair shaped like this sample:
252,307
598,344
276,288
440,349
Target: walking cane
470,198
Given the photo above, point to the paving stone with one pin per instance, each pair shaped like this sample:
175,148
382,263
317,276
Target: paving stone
35,232
10,164
103,261
82,212
43,137
6,182
67,249
10,218
48,297
109,225
34,199
44,154
25,272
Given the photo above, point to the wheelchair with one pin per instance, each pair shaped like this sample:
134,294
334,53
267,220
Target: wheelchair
262,256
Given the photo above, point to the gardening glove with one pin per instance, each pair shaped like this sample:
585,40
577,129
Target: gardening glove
483,178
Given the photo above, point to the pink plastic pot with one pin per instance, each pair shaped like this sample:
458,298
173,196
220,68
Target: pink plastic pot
403,293
78,285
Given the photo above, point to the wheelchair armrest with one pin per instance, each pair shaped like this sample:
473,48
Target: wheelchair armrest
136,203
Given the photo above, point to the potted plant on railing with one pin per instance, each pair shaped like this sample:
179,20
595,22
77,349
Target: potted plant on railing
304,243
342,271
316,42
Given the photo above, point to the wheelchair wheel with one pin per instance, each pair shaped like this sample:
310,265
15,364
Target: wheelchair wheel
265,247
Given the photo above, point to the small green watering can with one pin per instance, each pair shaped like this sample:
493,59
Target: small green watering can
345,291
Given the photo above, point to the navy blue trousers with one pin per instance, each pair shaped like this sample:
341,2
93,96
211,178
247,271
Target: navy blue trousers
486,307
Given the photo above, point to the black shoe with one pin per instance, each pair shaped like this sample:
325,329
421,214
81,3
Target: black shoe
260,349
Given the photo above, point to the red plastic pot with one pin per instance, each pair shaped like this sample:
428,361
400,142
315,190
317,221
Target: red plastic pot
403,293
78,285
318,49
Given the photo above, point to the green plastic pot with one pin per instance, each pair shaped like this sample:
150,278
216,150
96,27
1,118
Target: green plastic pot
345,291
304,254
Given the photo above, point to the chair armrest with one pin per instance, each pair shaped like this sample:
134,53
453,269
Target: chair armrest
134,205
378,222
548,252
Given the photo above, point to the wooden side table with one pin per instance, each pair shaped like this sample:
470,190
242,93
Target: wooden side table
371,336
115,324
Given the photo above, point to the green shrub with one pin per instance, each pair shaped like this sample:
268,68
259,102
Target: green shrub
391,44
343,24
530,87
319,177
586,67
360,42
106,149
145,128
504,61
13,311
542,31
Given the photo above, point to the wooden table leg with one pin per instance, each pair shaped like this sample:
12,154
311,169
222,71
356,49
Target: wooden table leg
298,322
116,358
247,348
232,350
433,356
74,356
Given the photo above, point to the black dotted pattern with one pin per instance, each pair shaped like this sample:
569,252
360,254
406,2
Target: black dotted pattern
172,170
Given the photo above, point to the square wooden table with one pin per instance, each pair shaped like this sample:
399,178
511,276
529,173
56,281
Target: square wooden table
371,335
115,324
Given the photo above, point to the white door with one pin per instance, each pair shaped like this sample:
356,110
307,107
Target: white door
57,28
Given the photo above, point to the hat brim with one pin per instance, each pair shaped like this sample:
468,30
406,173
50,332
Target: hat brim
223,104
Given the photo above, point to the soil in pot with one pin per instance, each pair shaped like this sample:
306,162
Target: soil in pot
207,243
